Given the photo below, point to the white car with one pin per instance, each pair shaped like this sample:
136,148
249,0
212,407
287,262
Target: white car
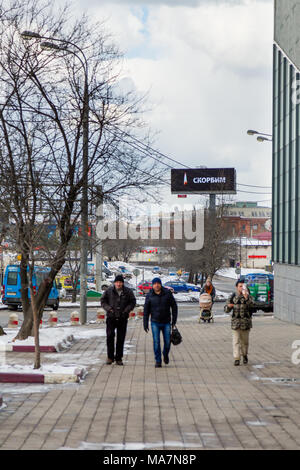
62,293
104,285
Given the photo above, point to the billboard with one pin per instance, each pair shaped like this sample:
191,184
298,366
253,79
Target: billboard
203,181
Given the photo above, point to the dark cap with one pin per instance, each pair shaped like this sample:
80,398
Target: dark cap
120,278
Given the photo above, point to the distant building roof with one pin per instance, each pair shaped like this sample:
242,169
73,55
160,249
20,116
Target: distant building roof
264,236
244,241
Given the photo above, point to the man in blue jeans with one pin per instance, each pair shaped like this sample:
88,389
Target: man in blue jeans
158,304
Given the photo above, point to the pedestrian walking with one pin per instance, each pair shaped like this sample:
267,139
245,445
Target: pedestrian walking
118,301
161,306
240,303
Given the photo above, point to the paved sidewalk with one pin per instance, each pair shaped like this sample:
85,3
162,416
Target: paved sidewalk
199,401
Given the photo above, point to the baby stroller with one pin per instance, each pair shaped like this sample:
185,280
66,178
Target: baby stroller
206,314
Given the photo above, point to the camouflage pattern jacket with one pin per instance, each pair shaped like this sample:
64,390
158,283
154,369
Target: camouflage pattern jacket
241,312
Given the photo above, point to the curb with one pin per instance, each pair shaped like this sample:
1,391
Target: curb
11,348
51,378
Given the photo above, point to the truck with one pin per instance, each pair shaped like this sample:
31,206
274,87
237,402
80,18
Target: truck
261,288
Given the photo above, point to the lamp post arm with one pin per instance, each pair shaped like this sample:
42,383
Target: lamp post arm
66,41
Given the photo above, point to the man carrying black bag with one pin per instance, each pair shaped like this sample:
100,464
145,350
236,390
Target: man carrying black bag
159,304
118,301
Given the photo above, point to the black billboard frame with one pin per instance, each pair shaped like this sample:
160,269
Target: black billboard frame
181,181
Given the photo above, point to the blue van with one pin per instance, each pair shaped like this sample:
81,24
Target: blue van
11,288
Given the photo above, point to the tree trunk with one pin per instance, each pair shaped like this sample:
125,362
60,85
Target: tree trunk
74,295
191,275
27,328
36,330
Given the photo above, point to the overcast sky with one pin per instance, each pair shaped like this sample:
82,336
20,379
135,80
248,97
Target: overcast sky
208,68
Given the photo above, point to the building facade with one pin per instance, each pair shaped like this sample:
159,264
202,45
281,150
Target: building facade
286,160
247,219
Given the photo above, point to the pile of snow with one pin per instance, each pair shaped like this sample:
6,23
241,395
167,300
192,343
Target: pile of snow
53,368
59,337
221,295
187,297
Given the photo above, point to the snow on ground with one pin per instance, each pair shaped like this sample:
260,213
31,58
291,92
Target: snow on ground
146,274
53,336
49,337
50,368
221,295
230,272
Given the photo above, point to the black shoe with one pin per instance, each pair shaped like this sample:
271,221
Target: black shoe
237,362
109,361
166,359
245,359
119,363
158,364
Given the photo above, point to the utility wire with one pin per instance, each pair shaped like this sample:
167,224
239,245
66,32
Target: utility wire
252,192
146,149
175,161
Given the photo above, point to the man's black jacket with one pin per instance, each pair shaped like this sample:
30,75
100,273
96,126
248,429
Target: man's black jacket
159,307
118,306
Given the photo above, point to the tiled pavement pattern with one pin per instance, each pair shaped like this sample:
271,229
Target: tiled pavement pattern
199,401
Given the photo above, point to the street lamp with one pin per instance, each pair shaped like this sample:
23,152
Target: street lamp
28,35
262,137
47,45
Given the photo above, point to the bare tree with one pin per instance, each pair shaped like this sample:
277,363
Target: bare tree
41,133
217,248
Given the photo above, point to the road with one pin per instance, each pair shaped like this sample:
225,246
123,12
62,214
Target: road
187,310
224,284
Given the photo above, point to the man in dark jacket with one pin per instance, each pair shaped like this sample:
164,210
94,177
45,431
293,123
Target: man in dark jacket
158,304
118,301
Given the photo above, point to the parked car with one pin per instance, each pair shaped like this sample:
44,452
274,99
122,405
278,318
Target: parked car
156,270
179,286
185,275
170,288
65,282
131,287
124,271
261,288
11,288
193,288
107,271
144,287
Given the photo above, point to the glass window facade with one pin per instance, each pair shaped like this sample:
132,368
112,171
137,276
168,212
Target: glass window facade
286,164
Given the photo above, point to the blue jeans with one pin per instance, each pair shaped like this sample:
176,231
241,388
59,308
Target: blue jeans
166,331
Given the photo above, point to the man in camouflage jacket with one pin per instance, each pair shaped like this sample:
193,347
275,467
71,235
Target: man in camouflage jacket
241,305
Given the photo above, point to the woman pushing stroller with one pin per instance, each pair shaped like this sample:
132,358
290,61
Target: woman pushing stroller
207,297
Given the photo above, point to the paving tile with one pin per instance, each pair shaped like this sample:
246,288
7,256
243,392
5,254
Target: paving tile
200,399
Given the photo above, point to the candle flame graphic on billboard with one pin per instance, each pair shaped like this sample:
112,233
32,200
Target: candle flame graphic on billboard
185,181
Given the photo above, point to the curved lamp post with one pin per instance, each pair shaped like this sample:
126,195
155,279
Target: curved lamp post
261,137
50,44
